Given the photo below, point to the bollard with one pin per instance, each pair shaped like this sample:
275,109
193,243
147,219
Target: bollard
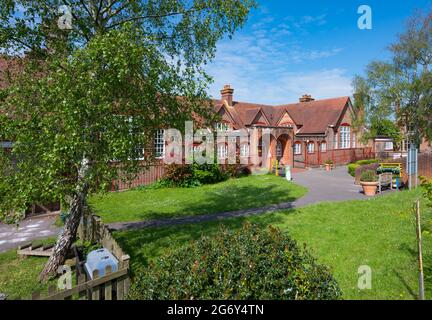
288,173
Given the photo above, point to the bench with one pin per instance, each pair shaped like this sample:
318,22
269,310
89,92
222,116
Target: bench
385,180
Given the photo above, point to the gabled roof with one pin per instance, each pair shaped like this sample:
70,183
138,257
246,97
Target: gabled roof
312,117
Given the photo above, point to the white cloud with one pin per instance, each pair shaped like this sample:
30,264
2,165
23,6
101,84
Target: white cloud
284,87
262,67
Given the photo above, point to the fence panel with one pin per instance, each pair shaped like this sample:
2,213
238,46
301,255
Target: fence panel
146,177
338,156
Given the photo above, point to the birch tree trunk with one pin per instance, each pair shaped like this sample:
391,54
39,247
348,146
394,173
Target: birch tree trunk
68,236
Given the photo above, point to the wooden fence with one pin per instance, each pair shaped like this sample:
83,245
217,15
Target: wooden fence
148,176
338,156
111,285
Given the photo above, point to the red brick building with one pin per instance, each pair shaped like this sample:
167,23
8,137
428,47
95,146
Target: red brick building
305,133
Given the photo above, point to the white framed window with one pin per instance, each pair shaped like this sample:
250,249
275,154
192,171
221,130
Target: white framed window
222,151
159,143
297,148
244,150
222,126
388,145
323,146
311,147
279,149
345,137
354,140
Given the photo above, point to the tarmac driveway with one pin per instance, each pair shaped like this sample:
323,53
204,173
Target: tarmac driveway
12,236
336,185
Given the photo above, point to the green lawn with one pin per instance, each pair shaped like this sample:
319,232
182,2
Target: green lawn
378,232
234,194
18,275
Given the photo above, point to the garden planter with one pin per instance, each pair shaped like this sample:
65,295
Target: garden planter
328,167
369,188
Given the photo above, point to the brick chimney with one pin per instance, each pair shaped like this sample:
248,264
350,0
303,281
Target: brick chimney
227,94
306,98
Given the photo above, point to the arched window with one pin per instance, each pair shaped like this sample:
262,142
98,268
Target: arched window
279,149
311,147
345,136
297,148
323,146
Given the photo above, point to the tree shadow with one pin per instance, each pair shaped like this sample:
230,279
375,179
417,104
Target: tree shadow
427,269
228,199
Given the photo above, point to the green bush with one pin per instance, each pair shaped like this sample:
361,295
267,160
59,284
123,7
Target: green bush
369,161
427,189
352,167
368,176
249,263
195,175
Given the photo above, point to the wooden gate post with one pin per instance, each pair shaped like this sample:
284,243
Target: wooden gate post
420,251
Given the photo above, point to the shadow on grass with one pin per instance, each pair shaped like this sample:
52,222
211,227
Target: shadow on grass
231,198
207,201
427,271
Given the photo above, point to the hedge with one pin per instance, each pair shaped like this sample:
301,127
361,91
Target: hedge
250,263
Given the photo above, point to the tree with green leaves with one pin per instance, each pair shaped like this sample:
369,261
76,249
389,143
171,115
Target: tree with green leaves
400,89
81,104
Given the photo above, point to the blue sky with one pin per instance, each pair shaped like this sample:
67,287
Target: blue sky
288,48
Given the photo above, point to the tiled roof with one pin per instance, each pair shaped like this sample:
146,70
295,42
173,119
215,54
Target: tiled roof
316,116
313,117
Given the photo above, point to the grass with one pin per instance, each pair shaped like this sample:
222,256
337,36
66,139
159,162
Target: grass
378,232
231,195
18,275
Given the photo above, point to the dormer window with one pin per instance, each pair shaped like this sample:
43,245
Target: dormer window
222,126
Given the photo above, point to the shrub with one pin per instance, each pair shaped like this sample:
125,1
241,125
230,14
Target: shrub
368,161
236,170
368,176
330,162
427,189
249,263
353,166
194,175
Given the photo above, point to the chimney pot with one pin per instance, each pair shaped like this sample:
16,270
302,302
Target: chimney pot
227,94
306,98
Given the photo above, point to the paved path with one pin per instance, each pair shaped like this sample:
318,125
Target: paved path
336,185
12,236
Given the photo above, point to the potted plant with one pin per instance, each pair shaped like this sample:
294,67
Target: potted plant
369,183
328,165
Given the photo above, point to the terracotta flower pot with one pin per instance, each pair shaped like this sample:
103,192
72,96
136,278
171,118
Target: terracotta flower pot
369,188
328,167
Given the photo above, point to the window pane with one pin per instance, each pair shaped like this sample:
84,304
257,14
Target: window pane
159,144
323,147
297,148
